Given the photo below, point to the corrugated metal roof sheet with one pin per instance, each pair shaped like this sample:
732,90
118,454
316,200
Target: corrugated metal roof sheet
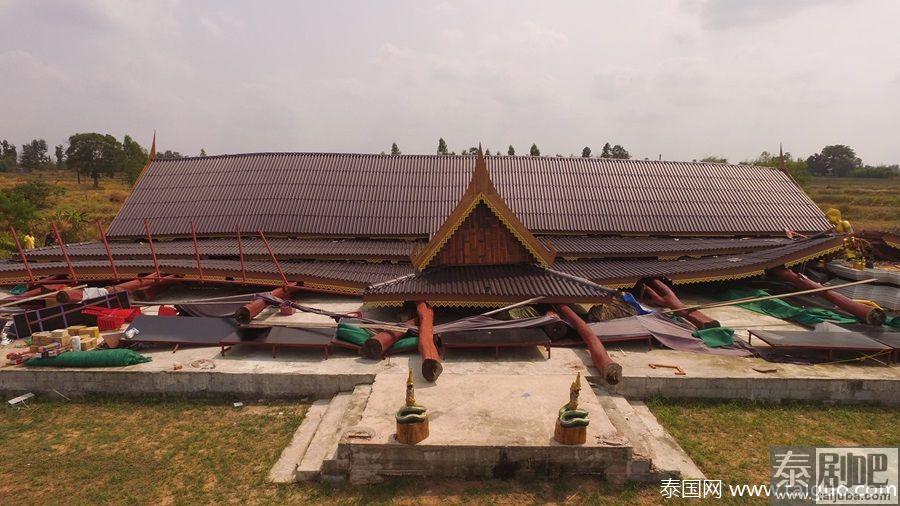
253,247
626,272
384,249
482,282
411,195
629,247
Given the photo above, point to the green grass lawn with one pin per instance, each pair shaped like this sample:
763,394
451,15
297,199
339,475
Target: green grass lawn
159,451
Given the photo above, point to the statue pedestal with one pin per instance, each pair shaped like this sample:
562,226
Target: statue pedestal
412,433
569,435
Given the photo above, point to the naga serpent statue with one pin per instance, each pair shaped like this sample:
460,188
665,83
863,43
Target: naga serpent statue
569,415
411,412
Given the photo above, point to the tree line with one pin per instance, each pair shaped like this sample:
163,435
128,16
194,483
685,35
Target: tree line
89,155
836,160
608,151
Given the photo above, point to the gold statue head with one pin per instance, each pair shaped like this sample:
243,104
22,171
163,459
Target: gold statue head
574,391
410,391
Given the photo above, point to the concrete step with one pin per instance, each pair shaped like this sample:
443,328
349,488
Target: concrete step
340,413
284,470
632,427
335,467
667,454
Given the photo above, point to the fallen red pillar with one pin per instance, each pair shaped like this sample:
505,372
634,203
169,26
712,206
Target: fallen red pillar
246,313
377,345
145,283
868,314
609,369
431,362
657,293
34,292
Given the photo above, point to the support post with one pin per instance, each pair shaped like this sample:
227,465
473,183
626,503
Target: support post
241,255
377,345
247,312
152,249
112,265
274,260
610,370
868,314
431,362
654,291
196,250
15,235
65,252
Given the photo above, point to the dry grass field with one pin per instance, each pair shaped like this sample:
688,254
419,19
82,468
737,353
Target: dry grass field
872,204
163,451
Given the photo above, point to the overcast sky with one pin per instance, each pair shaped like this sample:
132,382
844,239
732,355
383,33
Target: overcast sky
683,79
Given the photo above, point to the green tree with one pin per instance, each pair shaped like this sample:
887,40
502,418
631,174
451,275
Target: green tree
34,154
134,159
442,147
607,151
511,151
586,152
20,204
60,155
795,167
534,151
715,159
619,152
835,160
169,155
95,155
394,149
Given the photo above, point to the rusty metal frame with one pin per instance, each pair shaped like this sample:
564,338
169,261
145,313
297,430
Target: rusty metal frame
196,251
15,235
152,249
274,259
65,252
109,256
241,254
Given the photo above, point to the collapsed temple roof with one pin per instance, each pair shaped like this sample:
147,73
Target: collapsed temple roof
349,195
454,230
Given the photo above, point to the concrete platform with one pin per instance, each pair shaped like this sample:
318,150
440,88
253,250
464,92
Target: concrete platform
482,426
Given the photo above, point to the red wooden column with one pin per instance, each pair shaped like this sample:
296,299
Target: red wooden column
247,312
609,369
431,361
658,293
134,285
24,258
377,345
868,314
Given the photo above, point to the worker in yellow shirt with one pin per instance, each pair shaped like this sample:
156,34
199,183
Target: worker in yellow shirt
28,241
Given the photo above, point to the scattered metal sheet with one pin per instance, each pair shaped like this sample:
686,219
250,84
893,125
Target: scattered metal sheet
285,337
182,330
825,341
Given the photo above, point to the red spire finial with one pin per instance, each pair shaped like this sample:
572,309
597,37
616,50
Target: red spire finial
152,155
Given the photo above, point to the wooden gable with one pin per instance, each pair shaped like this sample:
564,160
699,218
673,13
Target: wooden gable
482,230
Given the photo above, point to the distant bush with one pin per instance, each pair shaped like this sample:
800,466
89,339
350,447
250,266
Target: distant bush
117,196
879,172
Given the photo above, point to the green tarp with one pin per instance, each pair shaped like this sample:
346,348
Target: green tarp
353,334
779,308
716,336
405,344
97,358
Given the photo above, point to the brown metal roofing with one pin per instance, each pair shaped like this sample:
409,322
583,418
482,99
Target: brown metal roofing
356,273
399,250
411,195
482,283
253,248
628,272
616,273
630,247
